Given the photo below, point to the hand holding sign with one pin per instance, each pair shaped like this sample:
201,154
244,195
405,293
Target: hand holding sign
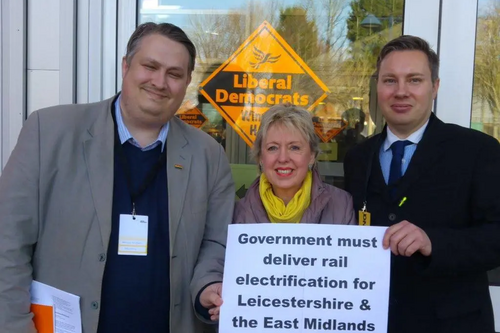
405,238
210,298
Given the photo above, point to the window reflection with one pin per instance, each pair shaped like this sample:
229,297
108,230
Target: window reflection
486,96
338,39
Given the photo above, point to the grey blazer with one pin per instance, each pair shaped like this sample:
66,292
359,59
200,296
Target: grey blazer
55,213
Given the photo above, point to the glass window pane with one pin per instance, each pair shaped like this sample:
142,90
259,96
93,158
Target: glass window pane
486,95
334,46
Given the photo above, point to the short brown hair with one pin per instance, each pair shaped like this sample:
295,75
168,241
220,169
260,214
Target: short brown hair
411,43
291,116
167,30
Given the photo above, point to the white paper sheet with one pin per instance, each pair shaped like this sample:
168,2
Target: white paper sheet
67,316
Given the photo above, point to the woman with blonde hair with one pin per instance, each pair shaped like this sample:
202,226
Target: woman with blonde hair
289,188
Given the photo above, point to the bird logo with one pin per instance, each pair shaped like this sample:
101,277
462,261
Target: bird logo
262,58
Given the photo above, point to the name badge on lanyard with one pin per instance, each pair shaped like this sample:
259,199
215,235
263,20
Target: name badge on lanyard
133,229
133,235
364,217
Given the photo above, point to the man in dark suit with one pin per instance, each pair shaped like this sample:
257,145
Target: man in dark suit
435,186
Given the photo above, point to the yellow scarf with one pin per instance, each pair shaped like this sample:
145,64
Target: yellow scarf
276,209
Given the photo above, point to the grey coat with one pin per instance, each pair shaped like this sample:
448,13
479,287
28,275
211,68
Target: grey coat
56,196
329,205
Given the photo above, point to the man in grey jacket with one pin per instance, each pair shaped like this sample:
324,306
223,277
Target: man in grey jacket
84,179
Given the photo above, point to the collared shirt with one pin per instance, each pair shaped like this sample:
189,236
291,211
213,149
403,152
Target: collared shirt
385,153
125,135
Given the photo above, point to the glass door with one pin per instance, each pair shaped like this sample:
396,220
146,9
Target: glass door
485,115
335,43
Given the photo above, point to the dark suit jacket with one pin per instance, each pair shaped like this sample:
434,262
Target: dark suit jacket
451,186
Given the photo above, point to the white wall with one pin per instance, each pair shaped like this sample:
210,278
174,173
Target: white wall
43,54
36,62
51,53
457,47
96,45
12,74
43,62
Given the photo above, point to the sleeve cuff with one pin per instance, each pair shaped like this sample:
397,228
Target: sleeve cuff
200,309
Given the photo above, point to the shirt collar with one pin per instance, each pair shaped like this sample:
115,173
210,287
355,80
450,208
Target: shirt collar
125,135
415,137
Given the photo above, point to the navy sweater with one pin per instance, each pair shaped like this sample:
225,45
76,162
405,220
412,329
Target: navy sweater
135,293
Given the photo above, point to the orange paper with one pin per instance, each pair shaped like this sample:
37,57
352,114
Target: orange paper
44,318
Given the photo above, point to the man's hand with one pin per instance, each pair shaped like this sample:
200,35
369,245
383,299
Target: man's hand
210,298
405,238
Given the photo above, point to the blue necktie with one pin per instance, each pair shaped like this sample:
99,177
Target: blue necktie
398,150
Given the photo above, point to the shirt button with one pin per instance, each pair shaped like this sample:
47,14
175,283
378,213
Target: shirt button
94,305
102,257
392,217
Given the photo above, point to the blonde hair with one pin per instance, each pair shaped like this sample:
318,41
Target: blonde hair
291,116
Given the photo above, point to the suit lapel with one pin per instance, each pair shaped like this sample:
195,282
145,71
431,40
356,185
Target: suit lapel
377,181
178,170
98,154
373,177
429,150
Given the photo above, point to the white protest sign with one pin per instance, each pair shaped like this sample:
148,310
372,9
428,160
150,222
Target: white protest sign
305,277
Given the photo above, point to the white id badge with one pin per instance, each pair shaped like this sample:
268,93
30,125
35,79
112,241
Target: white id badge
133,235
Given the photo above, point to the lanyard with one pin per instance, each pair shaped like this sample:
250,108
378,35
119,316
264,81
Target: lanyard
134,195
369,170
